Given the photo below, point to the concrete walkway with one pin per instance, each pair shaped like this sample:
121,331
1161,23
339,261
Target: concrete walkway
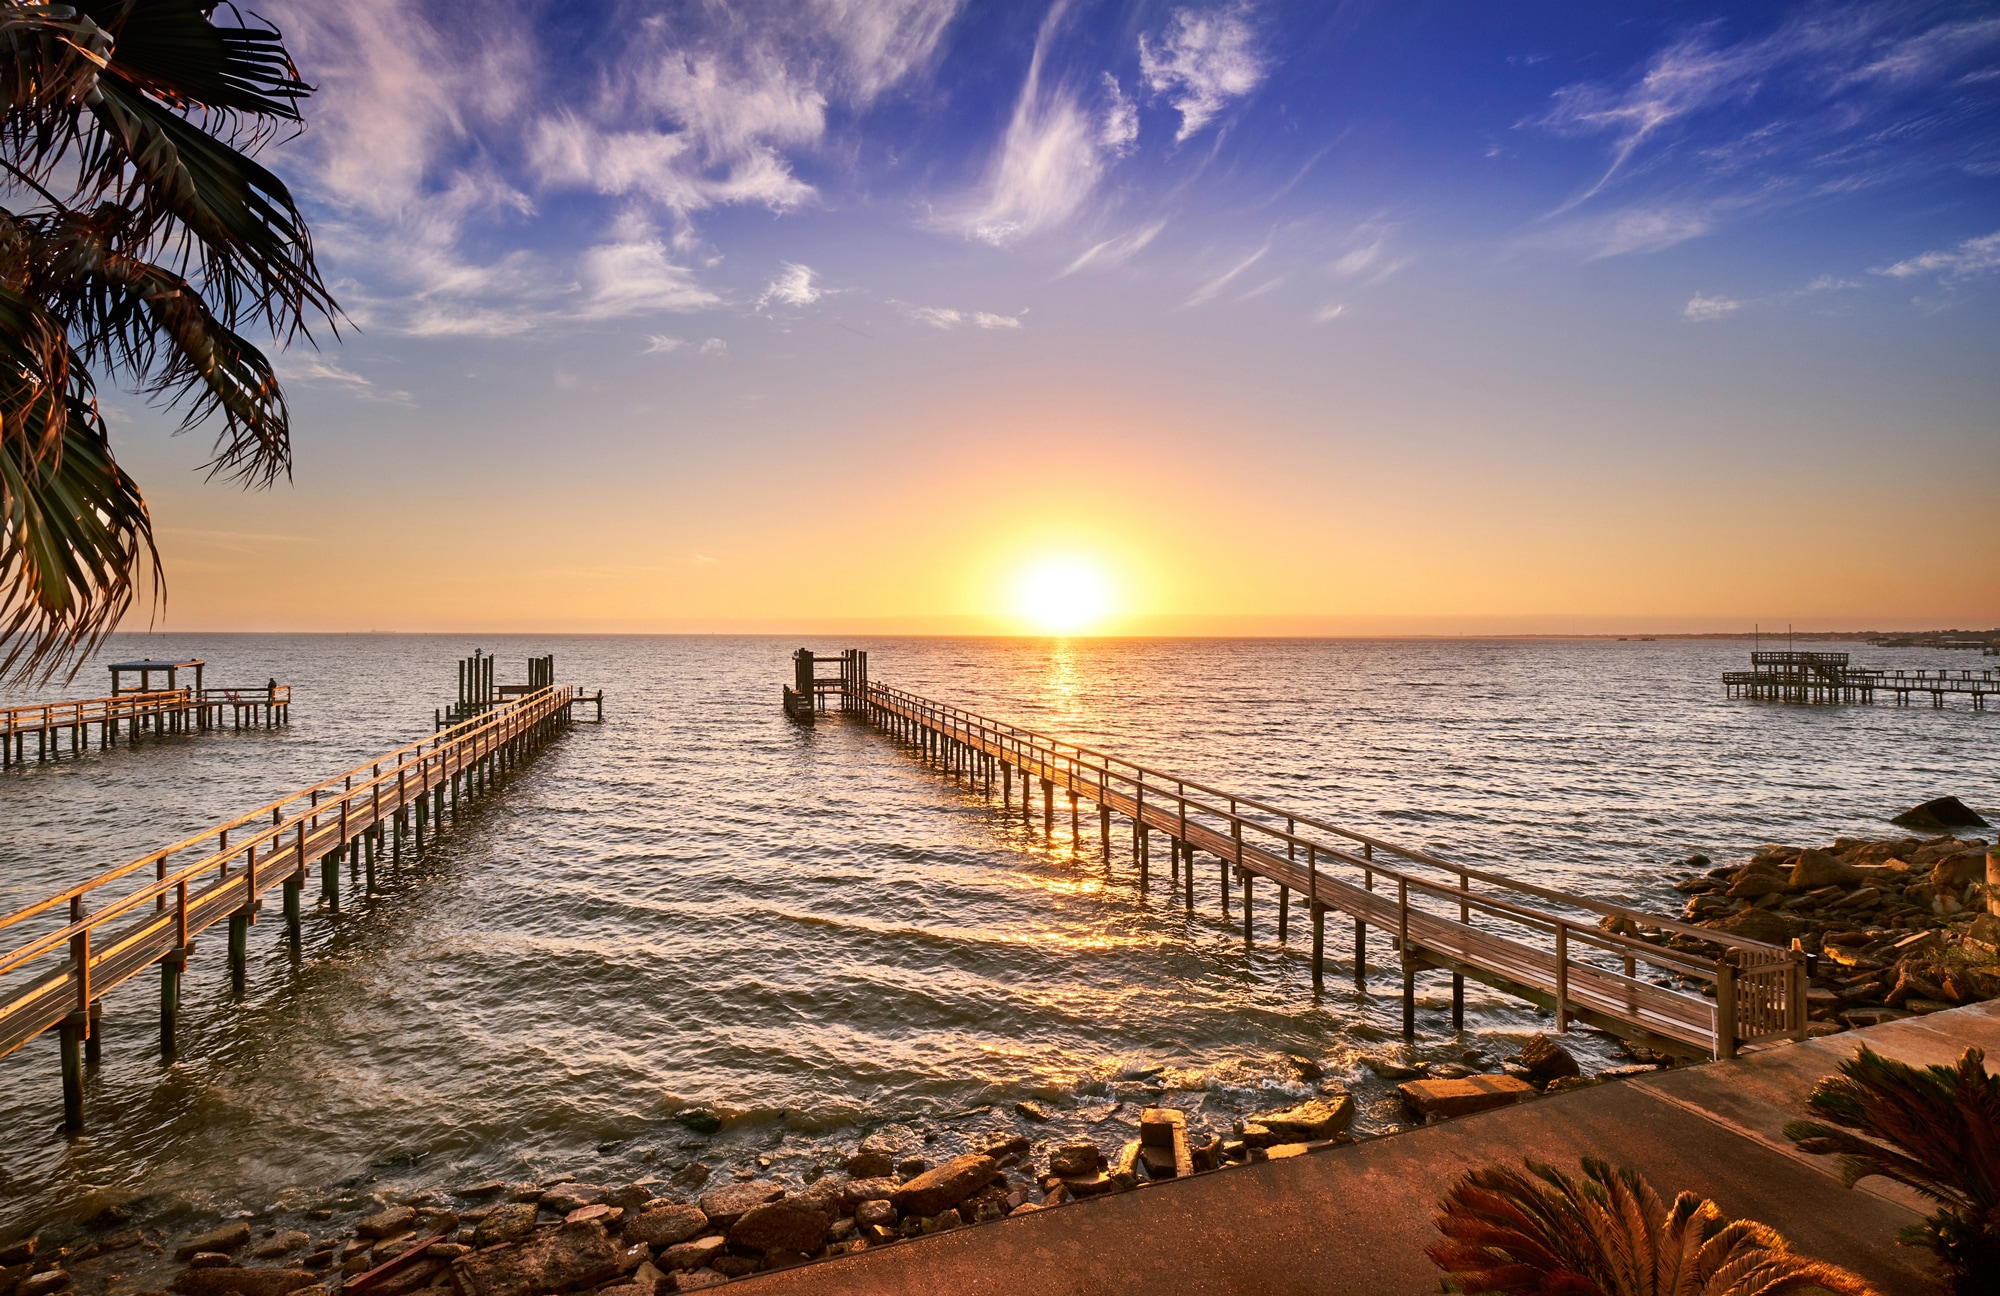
1356,1218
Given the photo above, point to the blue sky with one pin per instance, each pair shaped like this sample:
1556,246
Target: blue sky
1593,286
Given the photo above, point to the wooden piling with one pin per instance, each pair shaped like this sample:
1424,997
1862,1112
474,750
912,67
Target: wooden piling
1319,946
72,1030
172,965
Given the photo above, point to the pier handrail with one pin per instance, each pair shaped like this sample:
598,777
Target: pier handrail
1053,746
90,710
469,730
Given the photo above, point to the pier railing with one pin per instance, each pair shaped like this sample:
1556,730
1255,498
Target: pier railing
163,710
101,933
1501,931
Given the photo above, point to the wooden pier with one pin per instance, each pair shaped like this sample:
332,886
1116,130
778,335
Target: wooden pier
100,934
1702,992
808,692
56,725
1825,677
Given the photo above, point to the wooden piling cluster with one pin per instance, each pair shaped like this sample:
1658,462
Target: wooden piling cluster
54,726
373,813
1439,916
1825,677
807,693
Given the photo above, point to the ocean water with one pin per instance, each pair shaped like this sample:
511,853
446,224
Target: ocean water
816,938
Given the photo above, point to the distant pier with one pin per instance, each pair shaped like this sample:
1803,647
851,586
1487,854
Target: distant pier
1826,677
130,712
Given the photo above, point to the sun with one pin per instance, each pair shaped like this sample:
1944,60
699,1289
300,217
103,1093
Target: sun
1063,595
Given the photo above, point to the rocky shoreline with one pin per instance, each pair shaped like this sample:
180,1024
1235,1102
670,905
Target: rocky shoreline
1895,927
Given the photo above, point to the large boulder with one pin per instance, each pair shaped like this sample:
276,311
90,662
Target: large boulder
1939,815
558,1259
388,1223
1324,1117
663,1226
1547,1061
728,1204
692,1254
1758,881
1818,868
1446,1098
788,1224
509,1223
564,1198
870,1164
856,1191
1070,1159
1757,925
939,1190
242,1282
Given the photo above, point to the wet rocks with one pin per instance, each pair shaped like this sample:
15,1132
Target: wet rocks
1547,1061
388,1223
1818,868
788,1224
280,1244
509,1223
227,1238
1325,1117
1938,815
691,1255
869,1165
1448,1098
241,1282
1033,1111
726,1205
665,1226
558,1259
564,1198
946,1186
1074,1160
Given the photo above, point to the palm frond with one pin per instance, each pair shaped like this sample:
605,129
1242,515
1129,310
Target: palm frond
1608,1234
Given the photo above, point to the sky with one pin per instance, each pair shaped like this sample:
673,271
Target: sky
1243,317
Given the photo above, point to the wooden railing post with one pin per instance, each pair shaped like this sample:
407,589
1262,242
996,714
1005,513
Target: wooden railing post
1725,1007
1562,977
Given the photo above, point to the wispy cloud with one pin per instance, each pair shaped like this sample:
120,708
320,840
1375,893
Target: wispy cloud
793,286
1968,260
1117,250
1701,309
662,344
1213,288
1328,314
307,367
944,317
635,274
1201,62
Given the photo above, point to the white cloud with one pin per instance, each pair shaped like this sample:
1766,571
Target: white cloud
1973,257
634,274
1636,229
944,317
1116,251
662,344
1327,314
1120,130
714,347
986,320
1202,62
1213,288
1049,161
793,287
308,367
1701,309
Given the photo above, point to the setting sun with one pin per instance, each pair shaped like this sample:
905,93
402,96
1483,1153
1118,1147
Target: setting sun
1063,595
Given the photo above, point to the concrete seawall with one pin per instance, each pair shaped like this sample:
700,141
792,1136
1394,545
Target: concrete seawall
1356,1218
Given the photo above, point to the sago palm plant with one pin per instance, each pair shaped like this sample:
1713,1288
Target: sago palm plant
1542,1233
138,238
1936,1129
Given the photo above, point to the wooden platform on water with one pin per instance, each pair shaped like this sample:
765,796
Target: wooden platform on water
1707,993
146,914
1826,677
56,725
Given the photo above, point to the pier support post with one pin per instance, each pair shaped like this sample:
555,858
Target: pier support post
1104,830
329,882
1360,955
1006,783
1145,860
1187,874
294,885
1319,947
1222,880
370,842
1074,835
1048,809
72,1030
239,949
1457,1001
1247,900
1409,997
93,1039
171,966
1284,911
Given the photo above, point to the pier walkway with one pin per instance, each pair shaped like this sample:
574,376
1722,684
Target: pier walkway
1354,1219
101,933
55,725
1827,677
1580,958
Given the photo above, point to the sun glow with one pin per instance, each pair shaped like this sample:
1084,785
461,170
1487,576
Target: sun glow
1063,595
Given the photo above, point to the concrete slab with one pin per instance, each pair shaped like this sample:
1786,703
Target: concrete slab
1356,1219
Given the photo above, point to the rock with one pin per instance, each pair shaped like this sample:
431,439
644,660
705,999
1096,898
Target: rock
788,1224
691,1255
1071,1159
1305,1068
19,1252
1091,1185
856,1191
446,1250
1157,1125
1547,1060
1325,1117
665,1226
869,1165
1001,1149
1280,1151
280,1244
1563,1084
728,1204
388,1223
1256,1136
210,1260
1938,815
1818,868
692,1175
945,1187
1923,1007
1126,1168
1871,1016
43,1283
609,1214
631,1197
241,1282
699,1280
572,1197
1757,925
227,1238
1034,1111
491,1188
1754,883
879,1211
1448,1098
699,1119
735,1266
557,1259
1391,1069
911,1167
509,1223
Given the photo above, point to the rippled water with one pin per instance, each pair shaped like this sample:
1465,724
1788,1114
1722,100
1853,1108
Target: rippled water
808,931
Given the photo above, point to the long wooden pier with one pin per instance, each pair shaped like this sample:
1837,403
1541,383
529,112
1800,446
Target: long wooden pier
1702,991
56,725
1826,677
99,934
